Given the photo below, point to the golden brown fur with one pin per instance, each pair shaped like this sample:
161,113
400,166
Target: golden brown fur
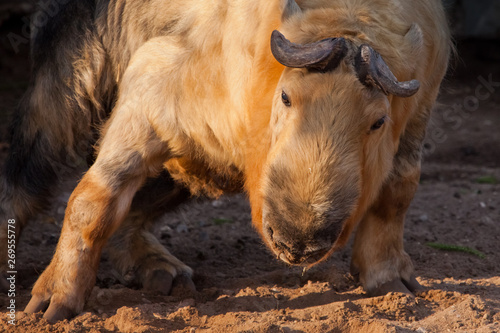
206,98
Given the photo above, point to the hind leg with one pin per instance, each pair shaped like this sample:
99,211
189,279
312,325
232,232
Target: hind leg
130,152
52,130
134,249
40,158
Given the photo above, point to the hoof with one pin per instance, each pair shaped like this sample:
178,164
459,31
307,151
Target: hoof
54,313
413,285
183,286
160,281
57,312
396,286
36,304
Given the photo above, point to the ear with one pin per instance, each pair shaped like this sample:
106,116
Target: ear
414,39
289,8
413,45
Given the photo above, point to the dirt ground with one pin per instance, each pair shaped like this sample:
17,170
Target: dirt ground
241,287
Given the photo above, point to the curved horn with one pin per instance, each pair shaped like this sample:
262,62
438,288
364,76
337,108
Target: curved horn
322,55
373,71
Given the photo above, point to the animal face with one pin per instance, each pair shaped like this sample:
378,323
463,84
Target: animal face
332,147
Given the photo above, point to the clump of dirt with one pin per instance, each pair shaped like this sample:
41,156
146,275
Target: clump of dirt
243,288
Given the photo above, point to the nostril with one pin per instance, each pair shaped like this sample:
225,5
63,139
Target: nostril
282,246
317,252
270,232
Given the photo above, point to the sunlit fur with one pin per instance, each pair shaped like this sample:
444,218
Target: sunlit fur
198,92
384,166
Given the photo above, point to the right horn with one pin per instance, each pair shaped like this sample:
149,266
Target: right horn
373,71
322,55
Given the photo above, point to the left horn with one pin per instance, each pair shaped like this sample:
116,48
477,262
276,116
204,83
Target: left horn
321,55
373,71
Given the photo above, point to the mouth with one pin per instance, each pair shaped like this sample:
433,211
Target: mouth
297,253
306,260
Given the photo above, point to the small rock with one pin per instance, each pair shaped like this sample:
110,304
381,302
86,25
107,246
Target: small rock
165,229
423,217
228,292
182,228
482,204
190,302
104,297
487,220
217,203
61,210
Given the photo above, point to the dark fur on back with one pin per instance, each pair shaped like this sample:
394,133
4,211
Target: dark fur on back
77,57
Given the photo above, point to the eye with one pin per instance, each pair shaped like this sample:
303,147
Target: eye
378,123
285,99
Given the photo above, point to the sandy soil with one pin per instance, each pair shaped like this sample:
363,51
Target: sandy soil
243,288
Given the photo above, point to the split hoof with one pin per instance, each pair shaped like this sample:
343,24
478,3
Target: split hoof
54,312
160,281
397,286
57,312
183,286
413,285
36,304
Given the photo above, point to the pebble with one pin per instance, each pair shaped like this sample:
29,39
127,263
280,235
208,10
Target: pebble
103,297
165,229
228,292
182,228
423,217
217,203
61,210
190,302
487,220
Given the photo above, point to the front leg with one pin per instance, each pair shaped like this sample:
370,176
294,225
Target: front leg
129,153
90,219
379,258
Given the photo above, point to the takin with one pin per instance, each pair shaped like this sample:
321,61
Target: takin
317,109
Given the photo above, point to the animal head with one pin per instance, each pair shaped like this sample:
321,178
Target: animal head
332,142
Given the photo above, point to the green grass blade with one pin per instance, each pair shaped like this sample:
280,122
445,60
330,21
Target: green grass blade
487,180
456,248
221,221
